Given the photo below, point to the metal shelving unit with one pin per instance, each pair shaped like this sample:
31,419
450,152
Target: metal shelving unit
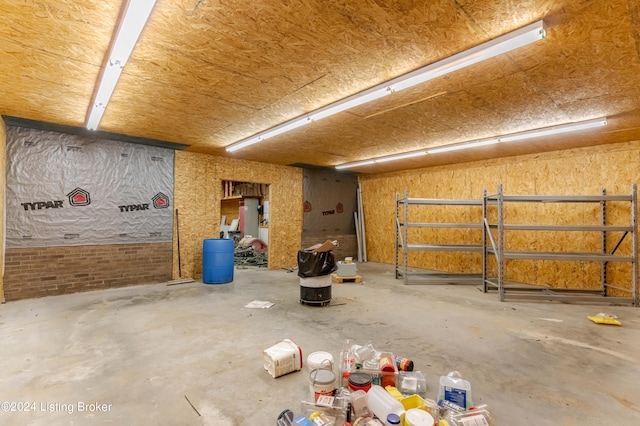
494,236
403,246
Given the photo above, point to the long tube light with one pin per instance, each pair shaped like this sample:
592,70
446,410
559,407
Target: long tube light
133,21
503,44
511,137
464,145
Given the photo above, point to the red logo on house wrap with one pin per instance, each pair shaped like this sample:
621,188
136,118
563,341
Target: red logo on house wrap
79,197
160,201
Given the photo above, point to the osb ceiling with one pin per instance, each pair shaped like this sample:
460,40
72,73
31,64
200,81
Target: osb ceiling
207,73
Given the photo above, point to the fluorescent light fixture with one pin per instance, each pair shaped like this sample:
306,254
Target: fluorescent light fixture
355,164
350,102
108,83
129,30
393,157
503,44
490,49
282,128
528,134
464,145
554,130
400,156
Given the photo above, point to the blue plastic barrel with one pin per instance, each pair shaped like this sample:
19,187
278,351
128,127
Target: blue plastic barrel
217,261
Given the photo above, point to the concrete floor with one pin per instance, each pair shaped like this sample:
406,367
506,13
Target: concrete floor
142,351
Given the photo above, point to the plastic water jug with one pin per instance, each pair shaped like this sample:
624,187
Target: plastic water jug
381,403
455,389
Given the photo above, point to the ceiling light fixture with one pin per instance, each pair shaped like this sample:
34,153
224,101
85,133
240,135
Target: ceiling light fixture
555,130
130,27
512,137
503,44
464,145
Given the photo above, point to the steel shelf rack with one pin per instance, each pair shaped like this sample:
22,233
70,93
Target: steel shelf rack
403,246
494,245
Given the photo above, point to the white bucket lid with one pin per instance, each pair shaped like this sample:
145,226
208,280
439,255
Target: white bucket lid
417,417
322,376
320,359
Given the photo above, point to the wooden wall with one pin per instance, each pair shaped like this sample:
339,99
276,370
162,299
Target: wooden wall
582,171
197,195
3,162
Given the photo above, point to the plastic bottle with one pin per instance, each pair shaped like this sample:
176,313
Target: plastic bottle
347,361
454,388
381,403
479,415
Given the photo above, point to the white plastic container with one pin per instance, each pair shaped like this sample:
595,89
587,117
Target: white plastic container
455,389
359,403
382,403
320,359
417,417
282,358
323,382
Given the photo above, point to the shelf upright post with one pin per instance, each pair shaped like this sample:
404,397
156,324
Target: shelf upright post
405,250
634,245
500,248
603,218
484,241
397,232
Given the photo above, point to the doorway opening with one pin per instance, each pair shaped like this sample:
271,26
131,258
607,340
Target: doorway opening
244,218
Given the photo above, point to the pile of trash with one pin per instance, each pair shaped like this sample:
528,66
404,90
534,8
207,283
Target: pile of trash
250,251
369,387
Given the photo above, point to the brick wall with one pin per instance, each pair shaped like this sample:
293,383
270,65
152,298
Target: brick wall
46,271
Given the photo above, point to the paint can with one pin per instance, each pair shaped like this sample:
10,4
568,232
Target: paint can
282,358
359,381
404,364
320,359
323,382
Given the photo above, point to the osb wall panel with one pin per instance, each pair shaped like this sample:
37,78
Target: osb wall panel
230,209
198,195
3,174
583,171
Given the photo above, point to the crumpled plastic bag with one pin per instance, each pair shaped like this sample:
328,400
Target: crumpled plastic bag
603,318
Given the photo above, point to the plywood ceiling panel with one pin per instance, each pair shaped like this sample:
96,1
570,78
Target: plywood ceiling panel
207,73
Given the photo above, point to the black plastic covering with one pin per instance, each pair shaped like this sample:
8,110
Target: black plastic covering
315,264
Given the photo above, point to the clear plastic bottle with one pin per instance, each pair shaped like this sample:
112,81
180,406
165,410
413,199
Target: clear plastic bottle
476,416
454,388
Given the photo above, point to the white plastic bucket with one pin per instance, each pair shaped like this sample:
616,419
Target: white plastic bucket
323,382
320,359
417,417
282,358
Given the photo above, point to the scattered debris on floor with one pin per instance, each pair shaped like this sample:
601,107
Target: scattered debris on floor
603,318
248,256
259,304
371,388
192,406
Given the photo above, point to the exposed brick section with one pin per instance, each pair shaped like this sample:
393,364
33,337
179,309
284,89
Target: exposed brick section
347,244
47,271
